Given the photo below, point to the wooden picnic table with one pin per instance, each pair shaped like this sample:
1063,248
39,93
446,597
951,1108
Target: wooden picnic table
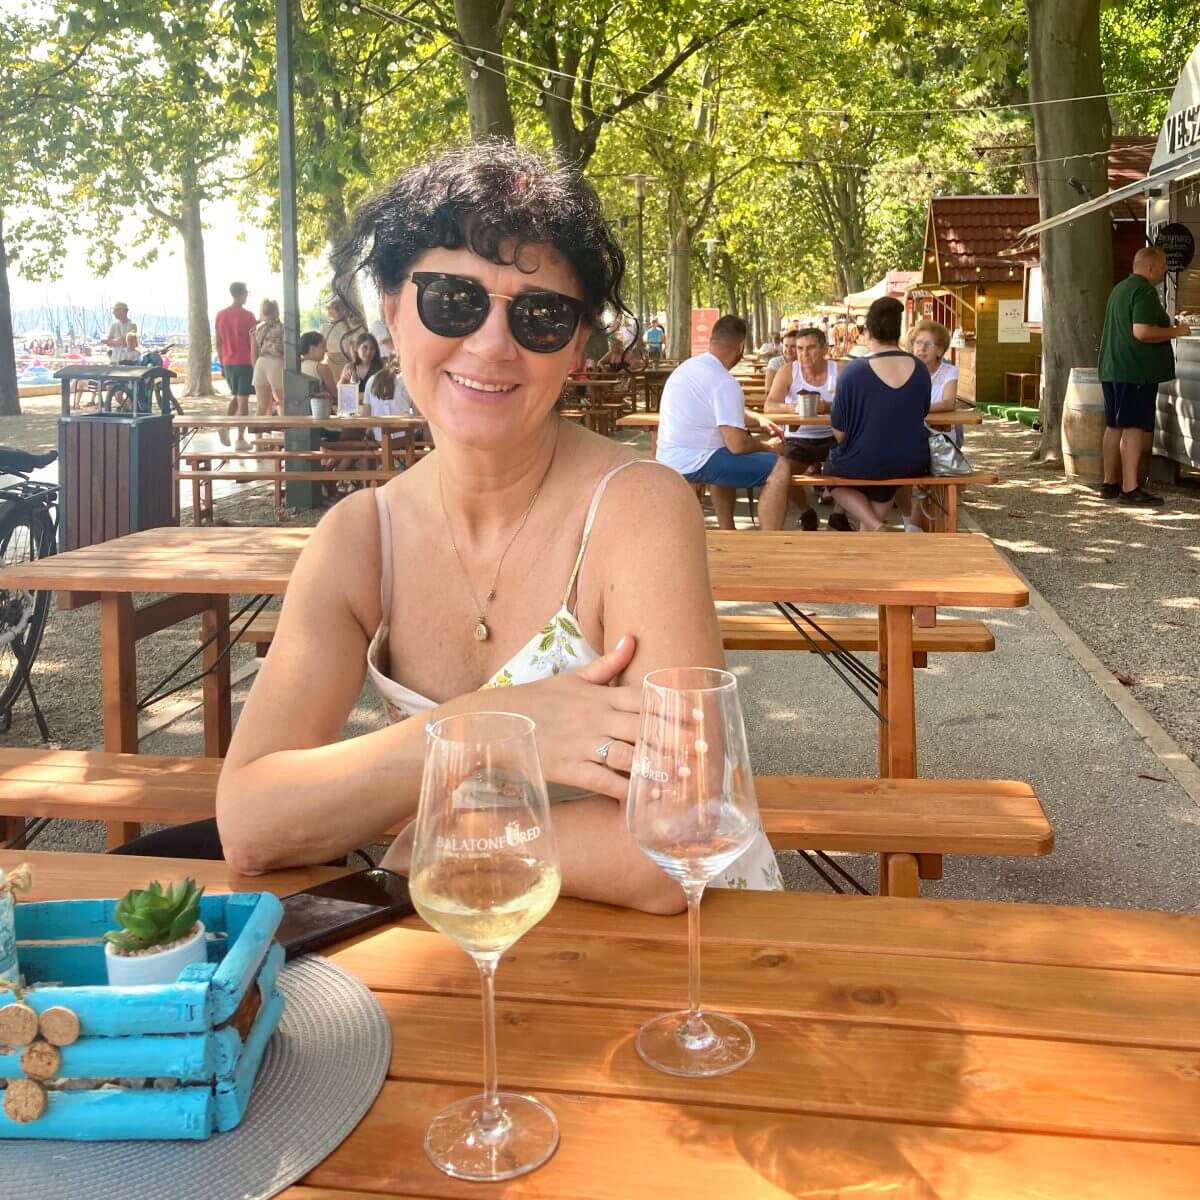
905,577
200,568
389,423
935,420
905,1048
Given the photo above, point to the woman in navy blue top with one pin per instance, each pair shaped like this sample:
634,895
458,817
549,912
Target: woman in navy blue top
878,419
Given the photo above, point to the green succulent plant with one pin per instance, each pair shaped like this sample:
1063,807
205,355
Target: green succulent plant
154,917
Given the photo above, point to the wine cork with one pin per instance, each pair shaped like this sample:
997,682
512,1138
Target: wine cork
41,1060
18,1024
24,1100
59,1026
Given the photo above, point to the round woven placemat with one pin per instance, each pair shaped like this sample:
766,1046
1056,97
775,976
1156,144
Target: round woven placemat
320,1074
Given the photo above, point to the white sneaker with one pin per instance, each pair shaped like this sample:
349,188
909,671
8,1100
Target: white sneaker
243,446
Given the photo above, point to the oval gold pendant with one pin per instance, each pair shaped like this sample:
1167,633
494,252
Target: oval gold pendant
481,632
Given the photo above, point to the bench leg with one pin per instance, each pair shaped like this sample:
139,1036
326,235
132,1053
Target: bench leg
118,684
197,503
218,721
899,876
10,827
952,508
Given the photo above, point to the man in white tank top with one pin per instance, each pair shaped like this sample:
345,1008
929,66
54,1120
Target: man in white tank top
807,445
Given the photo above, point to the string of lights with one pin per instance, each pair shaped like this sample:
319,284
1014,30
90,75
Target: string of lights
842,113
479,63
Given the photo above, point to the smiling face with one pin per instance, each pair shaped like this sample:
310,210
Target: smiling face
789,348
484,390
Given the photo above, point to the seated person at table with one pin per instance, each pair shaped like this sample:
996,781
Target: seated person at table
502,560
313,364
702,431
806,445
878,420
785,357
929,341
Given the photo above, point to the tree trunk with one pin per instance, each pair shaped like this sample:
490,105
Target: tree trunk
679,281
337,224
199,371
774,317
1064,60
762,327
729,283
10,400
487,93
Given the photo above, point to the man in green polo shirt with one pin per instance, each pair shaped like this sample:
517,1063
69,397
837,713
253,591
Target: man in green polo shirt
1135,357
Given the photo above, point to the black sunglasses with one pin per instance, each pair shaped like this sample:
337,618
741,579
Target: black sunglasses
453,306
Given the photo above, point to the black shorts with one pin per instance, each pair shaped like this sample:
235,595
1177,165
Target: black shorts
879,494
1130,405
808,451
239,377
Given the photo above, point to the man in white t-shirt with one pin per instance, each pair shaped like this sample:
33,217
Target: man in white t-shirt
118,332
702,431
806,445
773,346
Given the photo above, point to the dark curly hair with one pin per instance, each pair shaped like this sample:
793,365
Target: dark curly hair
490,196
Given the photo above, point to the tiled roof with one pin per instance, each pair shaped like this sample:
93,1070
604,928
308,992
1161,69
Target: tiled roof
972,231
1129,160
968,234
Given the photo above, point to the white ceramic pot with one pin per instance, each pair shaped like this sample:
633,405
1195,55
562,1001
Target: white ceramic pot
320,407
164,967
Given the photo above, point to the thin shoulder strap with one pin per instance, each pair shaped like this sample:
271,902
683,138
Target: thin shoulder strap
597,495
385,555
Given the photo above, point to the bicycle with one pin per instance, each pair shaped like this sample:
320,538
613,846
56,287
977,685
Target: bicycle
28,531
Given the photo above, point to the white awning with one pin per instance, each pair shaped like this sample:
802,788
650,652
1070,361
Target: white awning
1176,170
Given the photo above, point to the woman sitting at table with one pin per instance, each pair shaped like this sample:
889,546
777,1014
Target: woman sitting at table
367,361
503,560
930,341
878,420
313,364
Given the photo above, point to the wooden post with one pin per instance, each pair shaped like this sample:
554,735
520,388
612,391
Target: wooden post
218,724
118,682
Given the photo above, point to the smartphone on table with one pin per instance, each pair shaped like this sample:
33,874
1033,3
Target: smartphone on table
340,908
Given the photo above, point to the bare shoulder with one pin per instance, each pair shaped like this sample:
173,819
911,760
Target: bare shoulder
650,493
343,556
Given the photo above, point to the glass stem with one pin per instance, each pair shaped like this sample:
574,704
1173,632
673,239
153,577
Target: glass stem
696,1025
491,1116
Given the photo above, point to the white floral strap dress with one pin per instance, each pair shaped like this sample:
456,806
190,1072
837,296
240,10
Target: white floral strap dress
557,646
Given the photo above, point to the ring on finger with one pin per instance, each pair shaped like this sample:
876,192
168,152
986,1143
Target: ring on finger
601,751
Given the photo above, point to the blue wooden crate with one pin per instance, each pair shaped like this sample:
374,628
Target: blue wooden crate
178,1031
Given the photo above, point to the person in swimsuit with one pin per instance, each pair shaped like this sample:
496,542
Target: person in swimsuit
524,555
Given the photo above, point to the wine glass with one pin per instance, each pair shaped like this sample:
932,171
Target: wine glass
484,872
692,809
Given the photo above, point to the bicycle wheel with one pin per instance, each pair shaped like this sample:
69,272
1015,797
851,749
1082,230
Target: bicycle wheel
26,534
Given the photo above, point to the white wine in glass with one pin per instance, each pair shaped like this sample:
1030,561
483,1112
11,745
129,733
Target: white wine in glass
484,872
693,811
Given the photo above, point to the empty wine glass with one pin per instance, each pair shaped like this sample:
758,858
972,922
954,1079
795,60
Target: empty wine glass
484,872
692,809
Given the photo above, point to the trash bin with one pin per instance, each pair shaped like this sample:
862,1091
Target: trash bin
115,460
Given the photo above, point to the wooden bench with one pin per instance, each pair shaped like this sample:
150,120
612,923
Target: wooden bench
202,481
773,631
945,487
897,818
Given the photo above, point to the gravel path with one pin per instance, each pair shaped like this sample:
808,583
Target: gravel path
1127,581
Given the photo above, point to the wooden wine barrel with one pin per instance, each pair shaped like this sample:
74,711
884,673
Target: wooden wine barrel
1083,425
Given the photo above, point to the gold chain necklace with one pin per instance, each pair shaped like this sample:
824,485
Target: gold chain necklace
482,633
